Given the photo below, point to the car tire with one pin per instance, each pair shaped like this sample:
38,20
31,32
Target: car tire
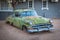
7,22
12,24
24,28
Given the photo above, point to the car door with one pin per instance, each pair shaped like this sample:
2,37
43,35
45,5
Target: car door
17,20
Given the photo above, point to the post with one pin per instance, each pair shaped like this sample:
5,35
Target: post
28,4
0,4
33,4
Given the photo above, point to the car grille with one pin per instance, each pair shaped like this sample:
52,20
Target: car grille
41,26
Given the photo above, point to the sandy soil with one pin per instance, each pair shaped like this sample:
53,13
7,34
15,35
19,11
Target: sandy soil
8,32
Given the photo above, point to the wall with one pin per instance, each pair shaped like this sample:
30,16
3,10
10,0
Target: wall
53,12
4,15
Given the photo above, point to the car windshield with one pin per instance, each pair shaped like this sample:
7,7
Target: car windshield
28,13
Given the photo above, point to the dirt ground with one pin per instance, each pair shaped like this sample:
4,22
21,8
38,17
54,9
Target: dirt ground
8,32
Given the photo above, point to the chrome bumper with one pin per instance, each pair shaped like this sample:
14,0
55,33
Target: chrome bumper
39,30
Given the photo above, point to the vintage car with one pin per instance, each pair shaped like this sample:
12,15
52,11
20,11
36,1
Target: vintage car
29,21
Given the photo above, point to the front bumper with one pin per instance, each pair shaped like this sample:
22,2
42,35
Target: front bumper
40,28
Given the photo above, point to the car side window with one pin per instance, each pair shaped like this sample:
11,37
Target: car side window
17,15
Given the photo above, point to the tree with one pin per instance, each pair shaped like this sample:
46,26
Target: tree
14,2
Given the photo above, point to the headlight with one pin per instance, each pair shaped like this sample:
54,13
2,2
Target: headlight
30,23
51,21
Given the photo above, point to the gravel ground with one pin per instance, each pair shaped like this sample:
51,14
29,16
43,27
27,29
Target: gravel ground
8,32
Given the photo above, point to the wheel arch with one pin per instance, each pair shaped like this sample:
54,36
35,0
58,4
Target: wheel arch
24,26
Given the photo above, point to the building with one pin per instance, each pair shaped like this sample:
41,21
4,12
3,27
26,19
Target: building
51,10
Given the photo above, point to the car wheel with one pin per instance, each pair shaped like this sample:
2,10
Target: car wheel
7,22
24,29
12,24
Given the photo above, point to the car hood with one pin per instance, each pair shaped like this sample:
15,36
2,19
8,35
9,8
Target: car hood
36,19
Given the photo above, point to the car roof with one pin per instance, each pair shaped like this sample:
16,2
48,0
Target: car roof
21,10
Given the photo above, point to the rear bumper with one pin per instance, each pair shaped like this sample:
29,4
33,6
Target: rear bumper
42,29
